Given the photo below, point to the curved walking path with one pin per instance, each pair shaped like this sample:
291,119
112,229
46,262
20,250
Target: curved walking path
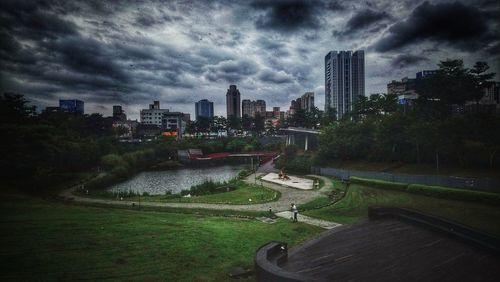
288,196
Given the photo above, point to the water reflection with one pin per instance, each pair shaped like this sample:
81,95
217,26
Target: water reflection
158,182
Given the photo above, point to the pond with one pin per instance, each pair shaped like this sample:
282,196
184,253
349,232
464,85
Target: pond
159,182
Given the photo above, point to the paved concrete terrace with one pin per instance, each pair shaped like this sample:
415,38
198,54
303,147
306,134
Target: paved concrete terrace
390,250
293,182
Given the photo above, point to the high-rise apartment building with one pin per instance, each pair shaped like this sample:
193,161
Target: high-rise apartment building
204,108
307,101
247,108
260,108
233,102
253,108
344,80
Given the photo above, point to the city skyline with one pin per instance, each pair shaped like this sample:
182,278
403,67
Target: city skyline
180,52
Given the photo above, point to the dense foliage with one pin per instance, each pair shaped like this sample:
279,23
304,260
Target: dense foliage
39,150
444,125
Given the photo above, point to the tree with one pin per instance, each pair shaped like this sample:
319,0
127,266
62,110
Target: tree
234,122
329,117
218,123
203,124
13,108
480,79
298,119
451,85
246,123
258,124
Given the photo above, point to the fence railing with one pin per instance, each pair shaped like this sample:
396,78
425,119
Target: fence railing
478,184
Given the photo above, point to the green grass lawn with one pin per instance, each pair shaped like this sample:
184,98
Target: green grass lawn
354,207
329,194
51,241
241,195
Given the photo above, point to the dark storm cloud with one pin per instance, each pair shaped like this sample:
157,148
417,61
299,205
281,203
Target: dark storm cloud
86,55
494,50
274,77
335,6
458,25
273,47
231,71
364,19
26,19
287,15
405,60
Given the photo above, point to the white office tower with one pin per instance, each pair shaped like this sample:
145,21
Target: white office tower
344,80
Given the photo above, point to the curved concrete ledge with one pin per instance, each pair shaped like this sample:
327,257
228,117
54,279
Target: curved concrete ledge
268,260
449,228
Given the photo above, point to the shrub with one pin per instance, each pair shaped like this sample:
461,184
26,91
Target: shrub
120,171
298,164
110,161
432,191
380,183
208,187
244,173
455,194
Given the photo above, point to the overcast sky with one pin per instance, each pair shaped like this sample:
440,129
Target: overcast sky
179,52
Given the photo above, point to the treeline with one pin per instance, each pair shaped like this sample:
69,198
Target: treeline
39,150
446,124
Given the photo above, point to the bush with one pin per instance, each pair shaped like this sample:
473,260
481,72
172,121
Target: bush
208,187
244,173
298,164
120,171
432,191
380,183
455,194
112,160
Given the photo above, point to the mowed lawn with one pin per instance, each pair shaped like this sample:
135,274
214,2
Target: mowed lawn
354,207
51,241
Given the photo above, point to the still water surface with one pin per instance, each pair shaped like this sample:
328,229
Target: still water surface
158,182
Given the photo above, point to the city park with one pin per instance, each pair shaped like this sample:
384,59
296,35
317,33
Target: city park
382,184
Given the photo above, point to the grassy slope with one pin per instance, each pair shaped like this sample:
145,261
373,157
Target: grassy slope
354,207
51,241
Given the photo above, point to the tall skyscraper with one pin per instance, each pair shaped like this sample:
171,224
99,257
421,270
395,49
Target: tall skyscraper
204,108
344,80
233,102
307,101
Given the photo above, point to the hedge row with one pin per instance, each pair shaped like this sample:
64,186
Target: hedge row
432,191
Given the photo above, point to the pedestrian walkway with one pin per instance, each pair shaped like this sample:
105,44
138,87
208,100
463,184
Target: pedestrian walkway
288,195
309,220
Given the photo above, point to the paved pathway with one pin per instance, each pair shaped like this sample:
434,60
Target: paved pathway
288,196
309,220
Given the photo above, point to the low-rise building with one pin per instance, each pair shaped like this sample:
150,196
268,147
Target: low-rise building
153,115
71,106
174,123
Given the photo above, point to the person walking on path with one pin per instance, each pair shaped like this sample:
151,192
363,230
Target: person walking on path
295,212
